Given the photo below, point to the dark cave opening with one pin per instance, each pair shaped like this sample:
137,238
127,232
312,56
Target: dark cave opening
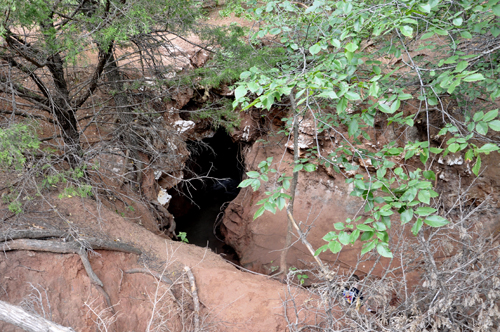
198,203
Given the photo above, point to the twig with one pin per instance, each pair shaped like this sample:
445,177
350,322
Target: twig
196,301
153,273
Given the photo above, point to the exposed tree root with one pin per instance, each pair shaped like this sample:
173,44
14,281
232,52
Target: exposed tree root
72,247
153,273
22,240
31,234
27,321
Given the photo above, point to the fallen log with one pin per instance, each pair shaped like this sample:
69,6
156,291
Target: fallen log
27,321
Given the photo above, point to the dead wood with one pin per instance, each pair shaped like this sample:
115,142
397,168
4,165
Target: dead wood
27,321
30,234
196,301
23,242
153,273
41,245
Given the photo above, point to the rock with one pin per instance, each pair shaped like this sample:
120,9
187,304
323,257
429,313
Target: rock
320,202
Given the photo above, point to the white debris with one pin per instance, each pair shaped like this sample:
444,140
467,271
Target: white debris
116,170
183,126
246,133
163,197
158,174
451,160
454,161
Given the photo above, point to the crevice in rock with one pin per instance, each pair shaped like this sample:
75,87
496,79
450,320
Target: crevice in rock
215,170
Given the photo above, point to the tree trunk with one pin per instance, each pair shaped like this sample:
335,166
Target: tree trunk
125,116
27,321
63,111
293,187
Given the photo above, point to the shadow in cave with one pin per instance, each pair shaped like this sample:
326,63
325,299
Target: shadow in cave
198,205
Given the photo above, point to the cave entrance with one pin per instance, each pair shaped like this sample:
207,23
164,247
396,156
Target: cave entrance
198,204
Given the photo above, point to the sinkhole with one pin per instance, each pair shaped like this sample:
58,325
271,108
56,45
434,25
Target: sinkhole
214,172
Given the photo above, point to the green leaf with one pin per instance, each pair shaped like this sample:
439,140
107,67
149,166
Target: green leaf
298,167
351,95
245,74
330,236
328,93
436,221
487,148
246,183
427,35
379,226
429,175
466,34
280,203
477,166
383,107
461,66
478,116
458,21
426,8
482,127
253,174
351,47
334,247
339,226
359,184
353,127
424,196
321,249
354,236
395,106
315,49
496,9
406,216
494,125
474,77
406,30
344,238
259,212
409,195
368,247
383,250
364,228
424,211
335,42
367,235
453,147
270,207
310,167
490,115
417,226
240,91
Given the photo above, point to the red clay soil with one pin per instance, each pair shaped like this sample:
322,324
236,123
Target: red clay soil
231,300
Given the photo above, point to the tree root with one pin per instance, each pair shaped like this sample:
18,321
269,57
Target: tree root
23,240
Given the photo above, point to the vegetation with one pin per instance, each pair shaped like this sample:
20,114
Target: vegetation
353,63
